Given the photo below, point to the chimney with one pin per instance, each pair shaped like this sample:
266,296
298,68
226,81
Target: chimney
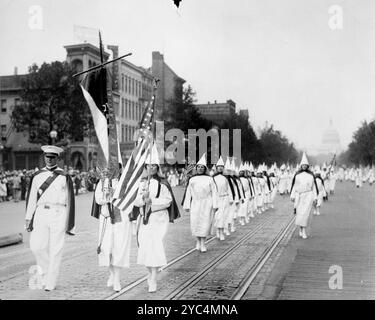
15,71
215,101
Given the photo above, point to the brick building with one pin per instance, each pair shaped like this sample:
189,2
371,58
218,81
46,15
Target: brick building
131,90
217,112
170,87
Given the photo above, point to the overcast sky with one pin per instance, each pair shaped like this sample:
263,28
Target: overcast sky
279,59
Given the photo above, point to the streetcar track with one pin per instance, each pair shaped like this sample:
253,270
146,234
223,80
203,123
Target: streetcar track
253,272
182,289
144,278
141,280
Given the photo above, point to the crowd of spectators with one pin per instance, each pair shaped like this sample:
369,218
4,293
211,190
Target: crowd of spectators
15,184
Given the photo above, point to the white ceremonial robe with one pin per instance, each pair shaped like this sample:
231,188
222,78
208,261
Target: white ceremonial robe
201,200
233,207
224,199
151,251
116,238
242,211
251,208
283,182
274,187
304,193
258,192
332,182
50,219
265,190
322,192
358,178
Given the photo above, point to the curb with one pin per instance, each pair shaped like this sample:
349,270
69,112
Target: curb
14,238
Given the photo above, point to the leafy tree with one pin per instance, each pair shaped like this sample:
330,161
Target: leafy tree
251,148
52,99
361,150
182,113
276,147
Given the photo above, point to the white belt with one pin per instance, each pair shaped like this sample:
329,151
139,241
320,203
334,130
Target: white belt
49,206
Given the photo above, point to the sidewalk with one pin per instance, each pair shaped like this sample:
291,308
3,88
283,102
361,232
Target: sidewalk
341,237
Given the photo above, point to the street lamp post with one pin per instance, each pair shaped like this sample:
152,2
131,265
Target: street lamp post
53,136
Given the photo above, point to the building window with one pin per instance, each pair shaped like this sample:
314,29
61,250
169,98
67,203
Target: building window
122,82
132,116
17,102
126,108
133,87
3,105
126,83
122,133
3,132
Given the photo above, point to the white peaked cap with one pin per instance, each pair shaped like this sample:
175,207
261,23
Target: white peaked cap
232,166
242,167
251,167
203,160
304,159
52,149
283,167
153,157
247,167
220,162
227,164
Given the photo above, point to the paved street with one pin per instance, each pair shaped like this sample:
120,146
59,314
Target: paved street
298,269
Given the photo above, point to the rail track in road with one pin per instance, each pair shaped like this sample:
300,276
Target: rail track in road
185,286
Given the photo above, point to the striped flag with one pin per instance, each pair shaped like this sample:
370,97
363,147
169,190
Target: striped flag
127,188
94,88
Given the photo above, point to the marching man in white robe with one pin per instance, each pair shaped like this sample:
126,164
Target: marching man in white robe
304,194
115,231
154,207
243,211
225,199
283,180
201,201
274,186
358,177
321,190
250,205
234,205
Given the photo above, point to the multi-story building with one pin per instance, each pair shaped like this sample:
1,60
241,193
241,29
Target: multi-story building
131,90
170,87
217,112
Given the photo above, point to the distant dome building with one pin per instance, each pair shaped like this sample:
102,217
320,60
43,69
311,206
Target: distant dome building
330,140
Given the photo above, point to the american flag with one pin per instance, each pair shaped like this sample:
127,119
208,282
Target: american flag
127,188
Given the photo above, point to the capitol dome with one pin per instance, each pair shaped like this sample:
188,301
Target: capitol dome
331,140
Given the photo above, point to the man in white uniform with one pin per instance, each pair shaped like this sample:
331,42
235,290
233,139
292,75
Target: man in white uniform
49,215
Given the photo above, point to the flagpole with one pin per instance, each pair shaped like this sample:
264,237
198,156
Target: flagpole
152,123
101,65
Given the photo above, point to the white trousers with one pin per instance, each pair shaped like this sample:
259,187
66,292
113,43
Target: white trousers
47,241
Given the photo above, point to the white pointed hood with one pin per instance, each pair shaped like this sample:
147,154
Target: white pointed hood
153,157
227,165
220,162
304,159
203,160
251,167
